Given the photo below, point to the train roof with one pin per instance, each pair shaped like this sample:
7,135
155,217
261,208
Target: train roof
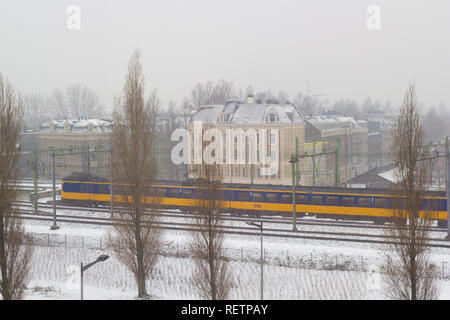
81,176
301,188
190,182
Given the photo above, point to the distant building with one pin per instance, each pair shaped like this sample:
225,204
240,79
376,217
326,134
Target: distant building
90,139
379,140
375,178
346,135
256,115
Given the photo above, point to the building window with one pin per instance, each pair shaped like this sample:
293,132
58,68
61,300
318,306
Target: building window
272,138
272,117
236,170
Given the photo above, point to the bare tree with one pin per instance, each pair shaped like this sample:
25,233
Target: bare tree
59,104
307,105
36,111
212,93
82,101
211,276
409,271
76,101
186,110
135,243
15,254
436,123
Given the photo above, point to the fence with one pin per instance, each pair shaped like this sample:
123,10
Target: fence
239,254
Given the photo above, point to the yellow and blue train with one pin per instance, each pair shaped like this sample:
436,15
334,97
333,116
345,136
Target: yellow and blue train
323,202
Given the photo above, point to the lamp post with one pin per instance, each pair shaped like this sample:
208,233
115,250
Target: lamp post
101,258
260,227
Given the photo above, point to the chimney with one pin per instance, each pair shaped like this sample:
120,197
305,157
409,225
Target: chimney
250,99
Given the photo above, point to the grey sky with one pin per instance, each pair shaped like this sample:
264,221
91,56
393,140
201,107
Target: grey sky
276,44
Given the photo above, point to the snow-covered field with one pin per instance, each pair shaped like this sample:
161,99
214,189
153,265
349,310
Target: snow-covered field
294,268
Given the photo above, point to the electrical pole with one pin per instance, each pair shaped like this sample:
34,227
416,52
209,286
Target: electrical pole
88,160
336,164
54,226
111,191
297,172
447,184
35,168
314,165
262,263
293,161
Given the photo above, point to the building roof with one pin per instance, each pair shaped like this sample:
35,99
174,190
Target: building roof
235,112
77,126
334,123
207,114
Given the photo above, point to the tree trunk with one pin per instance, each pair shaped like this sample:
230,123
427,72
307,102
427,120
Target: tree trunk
140,276
5,281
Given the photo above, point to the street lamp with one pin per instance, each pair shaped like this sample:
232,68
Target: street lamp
100,258
260,227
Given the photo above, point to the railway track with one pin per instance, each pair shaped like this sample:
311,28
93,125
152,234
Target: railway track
237,230
229,217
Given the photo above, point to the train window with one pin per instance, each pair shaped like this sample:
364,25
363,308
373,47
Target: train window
398,203
103,189
380,202
174,192
348,201
286,198
272,197
434,205
333,200
227,195
149,191
120,190
82,188
364,201
316,199
186,193
258,196
243,196
71,187
161,192
220,195
301,198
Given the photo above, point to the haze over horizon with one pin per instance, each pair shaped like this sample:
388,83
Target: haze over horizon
268,44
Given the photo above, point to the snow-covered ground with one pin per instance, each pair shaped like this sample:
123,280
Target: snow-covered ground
294,268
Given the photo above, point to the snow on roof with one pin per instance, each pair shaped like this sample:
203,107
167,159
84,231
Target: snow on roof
77,124
330,123
389,175
207,114
239,113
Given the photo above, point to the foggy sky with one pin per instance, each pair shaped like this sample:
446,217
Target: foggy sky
264,43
